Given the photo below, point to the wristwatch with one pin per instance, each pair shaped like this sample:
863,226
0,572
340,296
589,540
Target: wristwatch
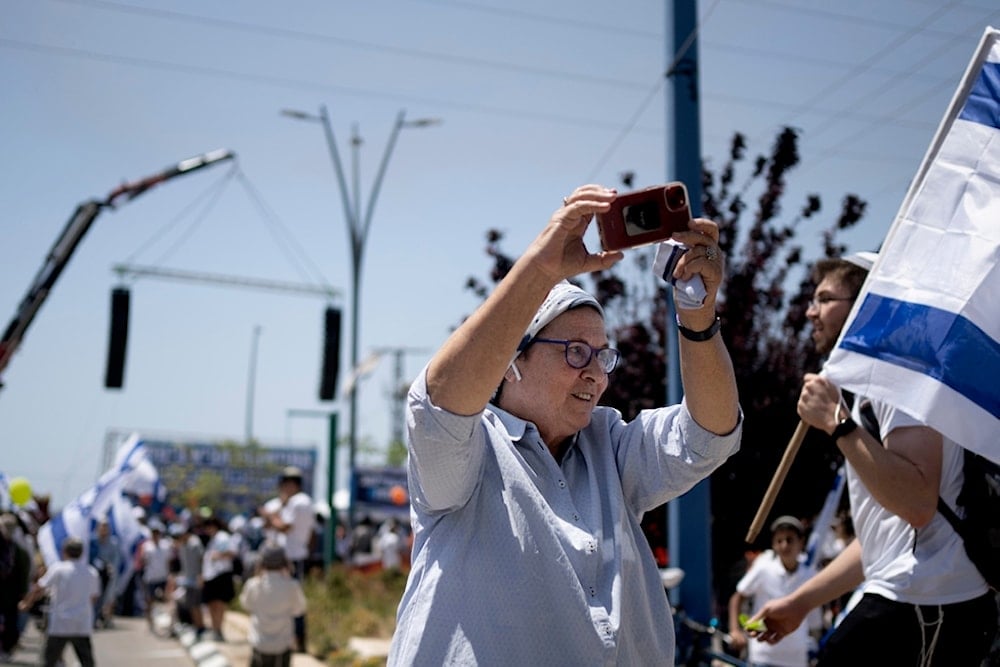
699,336
846,425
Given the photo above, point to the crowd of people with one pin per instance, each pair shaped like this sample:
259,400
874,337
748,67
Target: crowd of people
196,561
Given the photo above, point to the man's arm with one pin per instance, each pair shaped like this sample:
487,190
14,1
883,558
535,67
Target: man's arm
33,595
903,474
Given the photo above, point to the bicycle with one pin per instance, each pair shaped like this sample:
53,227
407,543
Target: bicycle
696,644
700,644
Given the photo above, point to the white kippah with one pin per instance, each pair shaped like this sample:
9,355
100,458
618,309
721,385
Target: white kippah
864,259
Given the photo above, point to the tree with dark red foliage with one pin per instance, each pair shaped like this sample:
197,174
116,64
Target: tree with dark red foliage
764,327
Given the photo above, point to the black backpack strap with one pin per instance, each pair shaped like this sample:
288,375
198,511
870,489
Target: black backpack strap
950,515
869,420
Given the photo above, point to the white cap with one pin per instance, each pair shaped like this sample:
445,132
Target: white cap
864,259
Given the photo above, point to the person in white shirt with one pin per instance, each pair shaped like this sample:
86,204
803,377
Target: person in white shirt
73,587
155,554
389,545
293,516
774,573
217,574
295,520
273,599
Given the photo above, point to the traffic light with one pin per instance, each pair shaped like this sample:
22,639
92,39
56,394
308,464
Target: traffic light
331,354
117,338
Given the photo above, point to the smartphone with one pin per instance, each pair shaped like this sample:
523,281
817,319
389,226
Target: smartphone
644,216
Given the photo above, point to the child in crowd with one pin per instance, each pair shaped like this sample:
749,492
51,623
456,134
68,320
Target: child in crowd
273,599
73,587
773,574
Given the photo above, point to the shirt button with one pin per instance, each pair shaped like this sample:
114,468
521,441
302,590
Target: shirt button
576,517
562,484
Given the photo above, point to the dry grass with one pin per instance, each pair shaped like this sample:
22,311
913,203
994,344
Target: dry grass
349,603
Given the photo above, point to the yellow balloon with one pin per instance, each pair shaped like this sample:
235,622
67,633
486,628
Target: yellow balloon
20,491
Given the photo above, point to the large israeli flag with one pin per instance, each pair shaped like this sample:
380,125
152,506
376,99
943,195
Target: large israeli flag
78,517
925,331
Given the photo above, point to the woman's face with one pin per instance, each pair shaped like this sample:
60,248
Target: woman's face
556,397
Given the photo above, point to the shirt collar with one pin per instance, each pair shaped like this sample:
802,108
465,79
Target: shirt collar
517,427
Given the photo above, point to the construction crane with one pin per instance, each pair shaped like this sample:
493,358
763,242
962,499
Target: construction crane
68,241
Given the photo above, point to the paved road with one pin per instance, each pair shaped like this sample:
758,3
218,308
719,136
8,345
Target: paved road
127,644
130,643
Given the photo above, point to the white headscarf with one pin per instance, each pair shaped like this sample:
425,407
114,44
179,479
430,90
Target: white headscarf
564,296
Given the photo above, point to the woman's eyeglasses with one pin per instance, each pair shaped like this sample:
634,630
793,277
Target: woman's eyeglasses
579,354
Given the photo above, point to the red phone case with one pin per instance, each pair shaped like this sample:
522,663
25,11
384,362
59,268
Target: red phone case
644,216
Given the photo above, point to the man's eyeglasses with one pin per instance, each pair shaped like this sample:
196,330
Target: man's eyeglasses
579,354
817,302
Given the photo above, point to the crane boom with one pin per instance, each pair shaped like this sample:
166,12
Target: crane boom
65,245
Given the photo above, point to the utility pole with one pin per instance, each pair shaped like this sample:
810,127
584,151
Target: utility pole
251,384
690,514
399,388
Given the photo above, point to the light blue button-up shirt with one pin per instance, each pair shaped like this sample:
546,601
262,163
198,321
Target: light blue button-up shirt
522,560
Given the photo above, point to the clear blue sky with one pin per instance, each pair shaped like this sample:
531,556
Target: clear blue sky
536,98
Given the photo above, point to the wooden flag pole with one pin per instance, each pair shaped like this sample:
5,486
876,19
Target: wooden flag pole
779,478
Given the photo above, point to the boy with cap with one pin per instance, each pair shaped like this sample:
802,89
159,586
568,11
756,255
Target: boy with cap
273,599
73,586
774,573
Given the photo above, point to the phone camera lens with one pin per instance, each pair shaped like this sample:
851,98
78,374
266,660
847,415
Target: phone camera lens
675,198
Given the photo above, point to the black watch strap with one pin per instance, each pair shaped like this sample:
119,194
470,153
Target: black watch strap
699,336
843,428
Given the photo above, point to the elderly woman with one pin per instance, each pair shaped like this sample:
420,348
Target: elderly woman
527,499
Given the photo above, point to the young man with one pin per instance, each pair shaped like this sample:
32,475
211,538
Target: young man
154,554
294,518
73,587
773,574
218,588
919,587
190,554
527,499
105,556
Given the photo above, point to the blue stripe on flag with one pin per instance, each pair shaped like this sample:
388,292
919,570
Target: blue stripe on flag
983,103
938,343
59,533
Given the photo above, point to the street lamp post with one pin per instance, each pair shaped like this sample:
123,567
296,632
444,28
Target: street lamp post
251,384
358,226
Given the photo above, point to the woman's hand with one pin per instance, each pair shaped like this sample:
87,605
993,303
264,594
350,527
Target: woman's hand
704,257
559,251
